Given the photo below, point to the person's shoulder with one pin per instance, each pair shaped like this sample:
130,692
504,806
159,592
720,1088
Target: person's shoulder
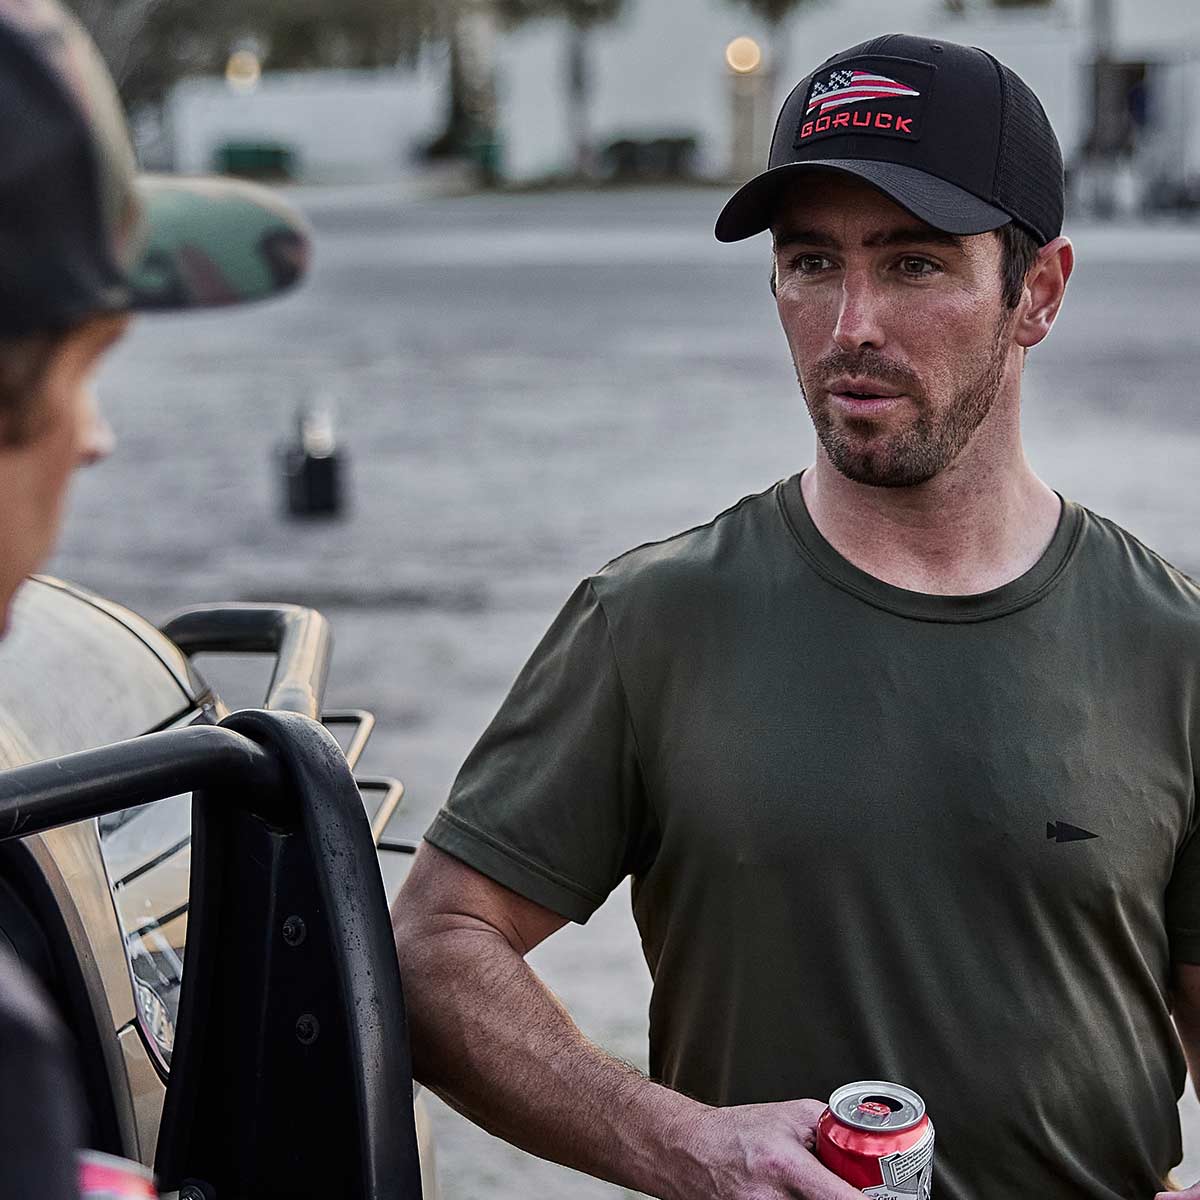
1136,571
697,557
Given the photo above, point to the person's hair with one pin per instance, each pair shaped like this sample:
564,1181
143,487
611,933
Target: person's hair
23,365
1018,252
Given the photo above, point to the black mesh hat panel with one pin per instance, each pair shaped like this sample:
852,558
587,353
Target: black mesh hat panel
945,130
1029,175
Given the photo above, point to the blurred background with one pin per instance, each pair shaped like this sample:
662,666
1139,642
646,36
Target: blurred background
533,91
522,352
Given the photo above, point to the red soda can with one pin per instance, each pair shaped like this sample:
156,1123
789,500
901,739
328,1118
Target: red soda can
877,1137
105,1177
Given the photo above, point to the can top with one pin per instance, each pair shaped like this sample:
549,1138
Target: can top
874,1104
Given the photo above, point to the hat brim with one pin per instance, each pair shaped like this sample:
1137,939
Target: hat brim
942,205
212,242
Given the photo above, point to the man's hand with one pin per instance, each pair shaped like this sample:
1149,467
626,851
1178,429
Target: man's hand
1192,1193
760,1152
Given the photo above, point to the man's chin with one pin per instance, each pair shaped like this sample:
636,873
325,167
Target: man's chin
866,451
879,468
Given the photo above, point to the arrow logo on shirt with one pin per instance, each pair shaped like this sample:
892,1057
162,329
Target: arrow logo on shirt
1060,831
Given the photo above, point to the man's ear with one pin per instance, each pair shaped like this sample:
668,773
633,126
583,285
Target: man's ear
1045,286
24,364
773,292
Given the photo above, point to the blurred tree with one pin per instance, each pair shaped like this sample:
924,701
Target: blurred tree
338,33
582,16
775,14
149,44
468,29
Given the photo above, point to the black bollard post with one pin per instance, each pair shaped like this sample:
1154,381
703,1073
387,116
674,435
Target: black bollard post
313,467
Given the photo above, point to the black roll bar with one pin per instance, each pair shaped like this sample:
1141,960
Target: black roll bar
290,1074
60,791
299,638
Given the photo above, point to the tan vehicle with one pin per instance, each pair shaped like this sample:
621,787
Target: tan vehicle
172,833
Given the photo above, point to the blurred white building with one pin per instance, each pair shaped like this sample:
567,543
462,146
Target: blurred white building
343,125
660,71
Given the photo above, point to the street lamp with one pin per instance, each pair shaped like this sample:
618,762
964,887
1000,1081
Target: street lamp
243,71
743,56
747,96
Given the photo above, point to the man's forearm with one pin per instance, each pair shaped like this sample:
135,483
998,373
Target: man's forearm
1187,1023
490,1038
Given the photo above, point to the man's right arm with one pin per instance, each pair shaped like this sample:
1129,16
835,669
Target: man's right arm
491,1039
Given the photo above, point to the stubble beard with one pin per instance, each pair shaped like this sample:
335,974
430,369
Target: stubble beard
929,443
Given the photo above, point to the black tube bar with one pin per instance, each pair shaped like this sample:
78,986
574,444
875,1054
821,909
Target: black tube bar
299,637
43,795
363,722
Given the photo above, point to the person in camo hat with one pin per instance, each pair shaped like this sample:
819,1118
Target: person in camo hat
901,754
84,243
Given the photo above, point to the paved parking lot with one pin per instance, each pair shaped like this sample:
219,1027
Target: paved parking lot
525,386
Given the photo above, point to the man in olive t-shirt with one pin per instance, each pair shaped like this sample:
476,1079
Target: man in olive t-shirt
898,752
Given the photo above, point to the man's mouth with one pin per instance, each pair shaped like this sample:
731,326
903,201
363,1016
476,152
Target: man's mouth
862,389
863,396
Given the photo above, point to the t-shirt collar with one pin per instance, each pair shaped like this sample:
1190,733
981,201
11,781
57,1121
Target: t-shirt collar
1018,593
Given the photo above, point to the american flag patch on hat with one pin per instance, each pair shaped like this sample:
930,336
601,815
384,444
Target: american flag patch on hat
848,86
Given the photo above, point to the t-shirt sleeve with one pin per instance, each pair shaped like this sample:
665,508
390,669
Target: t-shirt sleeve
551,801
1183,902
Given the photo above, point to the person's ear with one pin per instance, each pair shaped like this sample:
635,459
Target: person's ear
1045,286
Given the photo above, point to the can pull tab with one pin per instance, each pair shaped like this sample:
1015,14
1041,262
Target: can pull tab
874,1112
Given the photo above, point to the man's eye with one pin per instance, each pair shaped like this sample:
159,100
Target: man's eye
810,264
917,266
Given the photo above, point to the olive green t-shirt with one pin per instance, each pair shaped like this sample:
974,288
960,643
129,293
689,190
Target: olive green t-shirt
876,834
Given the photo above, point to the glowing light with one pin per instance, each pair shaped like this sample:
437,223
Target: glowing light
243,71
744,55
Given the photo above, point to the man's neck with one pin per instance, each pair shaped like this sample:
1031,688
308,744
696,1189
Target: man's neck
965,531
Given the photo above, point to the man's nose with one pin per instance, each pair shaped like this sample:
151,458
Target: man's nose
98,442
859,320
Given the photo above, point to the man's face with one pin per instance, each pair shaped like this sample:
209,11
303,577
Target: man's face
898,332
64,431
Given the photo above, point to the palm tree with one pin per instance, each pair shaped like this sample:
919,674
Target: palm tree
469,132
582,16
149,44
774,14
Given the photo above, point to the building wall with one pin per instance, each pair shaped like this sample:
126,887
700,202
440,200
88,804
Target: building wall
1153,28
345,125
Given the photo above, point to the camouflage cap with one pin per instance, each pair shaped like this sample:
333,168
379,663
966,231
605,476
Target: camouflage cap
80,231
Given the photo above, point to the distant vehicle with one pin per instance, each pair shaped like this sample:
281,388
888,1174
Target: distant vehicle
100,909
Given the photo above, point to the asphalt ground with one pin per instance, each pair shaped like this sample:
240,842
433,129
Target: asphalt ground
524,387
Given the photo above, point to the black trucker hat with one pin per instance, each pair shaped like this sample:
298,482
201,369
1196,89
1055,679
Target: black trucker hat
80,231
945,130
